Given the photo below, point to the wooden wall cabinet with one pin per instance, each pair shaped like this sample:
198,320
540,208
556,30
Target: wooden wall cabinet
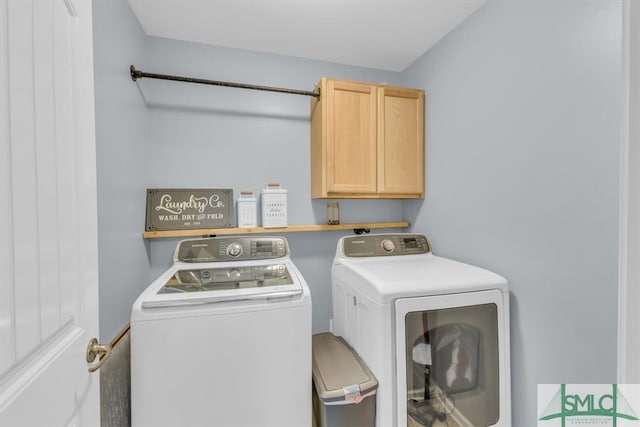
367,141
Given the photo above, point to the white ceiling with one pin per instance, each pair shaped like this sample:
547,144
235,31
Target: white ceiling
382,34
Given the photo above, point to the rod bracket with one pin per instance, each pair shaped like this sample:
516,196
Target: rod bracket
135,74
361,230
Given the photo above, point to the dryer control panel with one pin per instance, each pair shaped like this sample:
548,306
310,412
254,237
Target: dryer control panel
374,245
231,249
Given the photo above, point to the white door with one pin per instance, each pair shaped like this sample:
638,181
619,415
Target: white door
48,215
629,229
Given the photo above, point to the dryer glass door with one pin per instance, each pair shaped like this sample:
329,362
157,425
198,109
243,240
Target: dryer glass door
449,350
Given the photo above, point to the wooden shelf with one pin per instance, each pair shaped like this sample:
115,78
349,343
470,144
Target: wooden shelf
261,230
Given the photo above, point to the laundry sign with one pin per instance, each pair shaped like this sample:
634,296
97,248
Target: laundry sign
188,209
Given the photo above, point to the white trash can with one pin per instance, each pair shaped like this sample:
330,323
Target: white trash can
344,392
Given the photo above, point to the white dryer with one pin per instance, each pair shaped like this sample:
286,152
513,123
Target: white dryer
223,338
435,332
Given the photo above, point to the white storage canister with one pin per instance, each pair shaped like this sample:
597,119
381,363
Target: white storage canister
274,206
247,210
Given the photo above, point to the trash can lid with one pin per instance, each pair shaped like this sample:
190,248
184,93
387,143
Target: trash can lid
339,374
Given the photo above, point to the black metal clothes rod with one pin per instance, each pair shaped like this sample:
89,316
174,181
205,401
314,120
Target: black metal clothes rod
137,74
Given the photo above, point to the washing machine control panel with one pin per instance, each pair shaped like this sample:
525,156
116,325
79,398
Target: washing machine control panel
231,249
212,279
385,245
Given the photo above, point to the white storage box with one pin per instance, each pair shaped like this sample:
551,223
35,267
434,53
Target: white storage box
247,210
274,206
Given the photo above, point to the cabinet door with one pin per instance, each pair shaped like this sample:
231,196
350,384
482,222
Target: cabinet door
400,141
351,138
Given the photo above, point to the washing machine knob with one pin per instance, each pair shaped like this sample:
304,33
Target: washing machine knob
234,249
388,245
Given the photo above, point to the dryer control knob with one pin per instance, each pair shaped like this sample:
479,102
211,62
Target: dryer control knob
234,249
388,245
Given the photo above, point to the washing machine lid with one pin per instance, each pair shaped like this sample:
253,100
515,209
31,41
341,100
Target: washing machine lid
385,279
207,283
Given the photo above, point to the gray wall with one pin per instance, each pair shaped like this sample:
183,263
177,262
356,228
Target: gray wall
121,135
522,156
217,137
523,125
164,134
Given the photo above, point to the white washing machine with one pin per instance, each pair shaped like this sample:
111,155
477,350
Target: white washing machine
223,338
435,332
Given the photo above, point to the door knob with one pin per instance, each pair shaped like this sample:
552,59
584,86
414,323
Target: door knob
95,349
